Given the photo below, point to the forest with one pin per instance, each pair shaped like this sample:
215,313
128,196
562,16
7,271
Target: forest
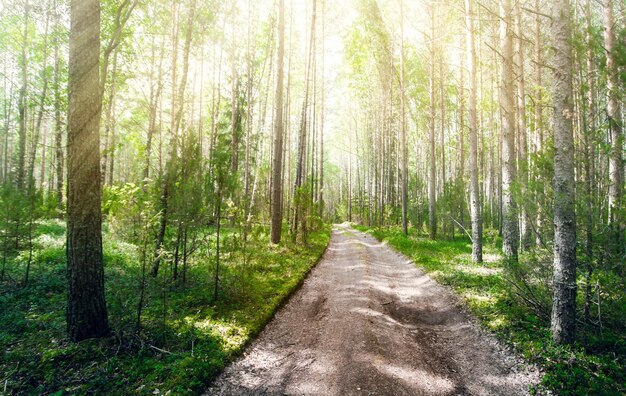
170,173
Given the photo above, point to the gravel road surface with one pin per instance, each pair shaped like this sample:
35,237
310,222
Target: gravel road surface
367,322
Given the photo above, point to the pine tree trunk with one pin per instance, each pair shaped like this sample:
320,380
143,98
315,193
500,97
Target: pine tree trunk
21,104
475,204
525,230
303,133
538,109
86,306
564,281
432,180
403,145
616,163
510,229
277,166
58,126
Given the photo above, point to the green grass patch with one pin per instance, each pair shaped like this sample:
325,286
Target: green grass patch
187,338
598,367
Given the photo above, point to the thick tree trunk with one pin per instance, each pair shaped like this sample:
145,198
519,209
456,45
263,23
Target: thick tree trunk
475,204
277,165
564,282
86,306
510,229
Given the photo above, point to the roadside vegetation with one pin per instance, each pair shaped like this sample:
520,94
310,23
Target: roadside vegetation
185,337
519,313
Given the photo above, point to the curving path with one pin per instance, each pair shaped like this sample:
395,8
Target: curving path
367,322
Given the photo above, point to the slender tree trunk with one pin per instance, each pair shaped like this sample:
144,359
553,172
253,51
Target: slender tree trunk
86,306
155,96
303,135
432,219
510,229
525,230
616,162
564,281
42,103
21,103
277,166
108,157
403,145
538,108
234,107
321,191
217,243
589,143
475,204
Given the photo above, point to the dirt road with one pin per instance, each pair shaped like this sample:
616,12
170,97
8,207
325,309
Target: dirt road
367,322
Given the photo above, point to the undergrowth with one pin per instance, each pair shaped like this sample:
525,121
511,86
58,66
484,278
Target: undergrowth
186,337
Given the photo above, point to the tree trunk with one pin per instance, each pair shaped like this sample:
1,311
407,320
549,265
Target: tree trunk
86,306
564,281
432,219
475,204
277,177
21,103
538,109
510,229
616,163
302,137
404,154
525,230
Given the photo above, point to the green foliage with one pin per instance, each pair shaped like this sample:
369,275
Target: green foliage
597,367
186,337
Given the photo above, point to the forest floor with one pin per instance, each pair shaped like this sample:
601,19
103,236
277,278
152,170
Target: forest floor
368,322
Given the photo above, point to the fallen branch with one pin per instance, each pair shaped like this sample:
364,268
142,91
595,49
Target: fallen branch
463,228
161,350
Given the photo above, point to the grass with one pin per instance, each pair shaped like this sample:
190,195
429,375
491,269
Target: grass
186,339
597,368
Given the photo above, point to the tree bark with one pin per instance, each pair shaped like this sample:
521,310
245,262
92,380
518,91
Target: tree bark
432,180
404,154
525,230
510,228
564,281
277,177
475,204
86,306
303,133
21,103
58,126
616,163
